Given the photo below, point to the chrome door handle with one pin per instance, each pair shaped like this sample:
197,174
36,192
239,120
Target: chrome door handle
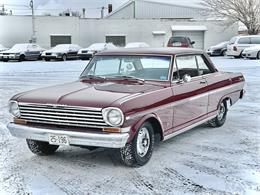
203,82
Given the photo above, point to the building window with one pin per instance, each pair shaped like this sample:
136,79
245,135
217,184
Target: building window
60,39
118,40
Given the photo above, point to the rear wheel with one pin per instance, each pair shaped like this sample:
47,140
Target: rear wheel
258,55
21,58
220,119
47,59
224,53
139,151
41,148
5,60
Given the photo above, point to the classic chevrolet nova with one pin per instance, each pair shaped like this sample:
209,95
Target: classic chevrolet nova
123,99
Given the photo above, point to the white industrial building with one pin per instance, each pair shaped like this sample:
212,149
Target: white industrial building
137,20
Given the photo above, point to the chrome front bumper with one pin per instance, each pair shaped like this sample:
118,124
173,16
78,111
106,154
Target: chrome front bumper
108,140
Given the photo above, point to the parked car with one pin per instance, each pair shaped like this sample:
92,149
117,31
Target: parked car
252,52
218,50
180,42
2,48
239,43
87,53
137,45
23,51
61,52
123,99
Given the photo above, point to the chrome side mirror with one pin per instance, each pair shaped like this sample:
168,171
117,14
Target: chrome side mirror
186,78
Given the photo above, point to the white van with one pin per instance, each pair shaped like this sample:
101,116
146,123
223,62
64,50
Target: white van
239,43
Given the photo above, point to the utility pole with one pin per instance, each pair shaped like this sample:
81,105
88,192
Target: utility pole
33,23
102,12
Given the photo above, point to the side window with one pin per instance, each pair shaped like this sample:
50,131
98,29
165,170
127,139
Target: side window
244,40
203,68
187,65
255,40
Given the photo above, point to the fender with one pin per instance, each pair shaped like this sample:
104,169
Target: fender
139,122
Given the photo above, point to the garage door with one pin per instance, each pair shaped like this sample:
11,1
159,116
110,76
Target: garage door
197,36
60,39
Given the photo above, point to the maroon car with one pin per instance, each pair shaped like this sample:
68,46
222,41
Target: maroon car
123,99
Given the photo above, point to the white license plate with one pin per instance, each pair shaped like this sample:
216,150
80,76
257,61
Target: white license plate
58,139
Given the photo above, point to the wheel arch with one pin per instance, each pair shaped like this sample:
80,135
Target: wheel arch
155,122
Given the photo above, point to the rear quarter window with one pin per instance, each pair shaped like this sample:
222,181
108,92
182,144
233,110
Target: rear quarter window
255,40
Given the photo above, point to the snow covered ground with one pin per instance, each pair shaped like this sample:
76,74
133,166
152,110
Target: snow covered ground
202,161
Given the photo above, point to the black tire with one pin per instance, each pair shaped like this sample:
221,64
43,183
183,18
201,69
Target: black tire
236,57
41,148
5,60
130,155
224,53
21,58
258,55
220,119
47,59
64,57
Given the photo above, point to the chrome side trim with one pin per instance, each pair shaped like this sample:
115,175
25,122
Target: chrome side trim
187,128
99,139
183,101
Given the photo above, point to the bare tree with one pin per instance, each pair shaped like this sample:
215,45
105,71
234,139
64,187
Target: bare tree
245,11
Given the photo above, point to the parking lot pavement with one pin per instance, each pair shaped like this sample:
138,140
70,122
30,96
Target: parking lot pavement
204,160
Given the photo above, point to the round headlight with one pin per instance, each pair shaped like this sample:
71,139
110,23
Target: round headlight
14,108
113,116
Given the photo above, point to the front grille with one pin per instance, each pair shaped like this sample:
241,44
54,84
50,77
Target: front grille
84,51
6,53
62,115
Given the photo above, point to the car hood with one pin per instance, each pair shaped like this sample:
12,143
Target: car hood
16,50
54,50
78,93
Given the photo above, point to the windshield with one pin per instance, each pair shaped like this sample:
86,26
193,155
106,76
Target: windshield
20,46
97,46
142,67
233,40
61,46
222,44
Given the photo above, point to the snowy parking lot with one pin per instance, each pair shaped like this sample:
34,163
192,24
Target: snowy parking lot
204,160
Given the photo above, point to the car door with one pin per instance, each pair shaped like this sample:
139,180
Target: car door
189,98
216,81
72,53
243,43
35,51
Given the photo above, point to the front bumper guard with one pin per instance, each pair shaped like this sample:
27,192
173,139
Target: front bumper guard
108,140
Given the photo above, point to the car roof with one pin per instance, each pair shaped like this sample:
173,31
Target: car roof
152,51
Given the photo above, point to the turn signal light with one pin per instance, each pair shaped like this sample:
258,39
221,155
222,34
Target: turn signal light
20,121
112,130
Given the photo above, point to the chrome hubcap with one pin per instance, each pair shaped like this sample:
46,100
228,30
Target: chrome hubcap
143,142
221,111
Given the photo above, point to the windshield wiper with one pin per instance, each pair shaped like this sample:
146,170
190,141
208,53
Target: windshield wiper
92,77
127,78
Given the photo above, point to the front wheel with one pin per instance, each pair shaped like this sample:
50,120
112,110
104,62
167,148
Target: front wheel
41,148
220,119
258,55
139,151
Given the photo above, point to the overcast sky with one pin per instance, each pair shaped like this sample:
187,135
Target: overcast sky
92,7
